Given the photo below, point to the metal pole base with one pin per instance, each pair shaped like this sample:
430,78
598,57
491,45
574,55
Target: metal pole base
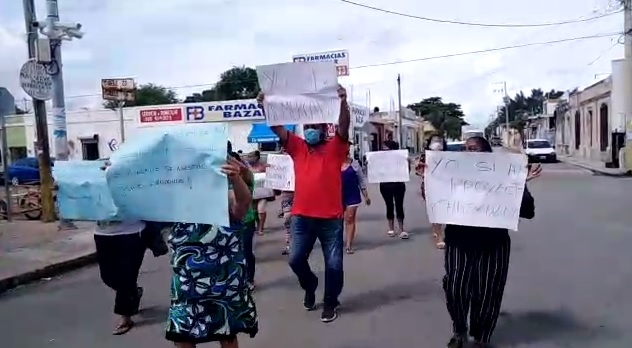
66,225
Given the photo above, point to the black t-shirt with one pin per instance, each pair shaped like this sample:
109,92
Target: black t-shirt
391,145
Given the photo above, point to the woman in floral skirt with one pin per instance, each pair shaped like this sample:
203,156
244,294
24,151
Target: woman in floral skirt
210,298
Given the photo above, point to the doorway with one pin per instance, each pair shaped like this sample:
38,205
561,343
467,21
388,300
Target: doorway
90,148
578,130
604,132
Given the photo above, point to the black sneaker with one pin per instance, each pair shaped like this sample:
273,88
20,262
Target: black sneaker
309,301
329,314
458,341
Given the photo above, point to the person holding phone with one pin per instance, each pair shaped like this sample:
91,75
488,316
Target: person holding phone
210,297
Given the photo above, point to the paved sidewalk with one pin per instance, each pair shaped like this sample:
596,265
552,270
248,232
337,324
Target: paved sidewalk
32,250
596,167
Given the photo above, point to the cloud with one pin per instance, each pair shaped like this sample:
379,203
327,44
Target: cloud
191,42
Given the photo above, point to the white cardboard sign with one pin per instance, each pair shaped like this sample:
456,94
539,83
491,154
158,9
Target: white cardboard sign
299,93
474,188
387,166
280,173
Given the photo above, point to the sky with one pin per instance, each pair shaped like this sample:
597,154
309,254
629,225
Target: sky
191,42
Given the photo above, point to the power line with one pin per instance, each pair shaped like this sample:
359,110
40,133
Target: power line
452,55
474,24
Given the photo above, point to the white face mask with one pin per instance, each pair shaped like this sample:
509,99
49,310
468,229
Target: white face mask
436,146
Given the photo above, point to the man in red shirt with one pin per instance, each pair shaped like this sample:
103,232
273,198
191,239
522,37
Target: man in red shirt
317,212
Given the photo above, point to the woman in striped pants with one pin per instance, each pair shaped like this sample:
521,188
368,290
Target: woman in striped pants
476,265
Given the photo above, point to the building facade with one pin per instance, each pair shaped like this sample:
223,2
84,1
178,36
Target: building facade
587,128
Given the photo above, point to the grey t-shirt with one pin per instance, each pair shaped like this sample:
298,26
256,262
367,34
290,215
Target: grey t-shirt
114,228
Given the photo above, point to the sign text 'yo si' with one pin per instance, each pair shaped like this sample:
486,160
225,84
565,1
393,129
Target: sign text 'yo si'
36,81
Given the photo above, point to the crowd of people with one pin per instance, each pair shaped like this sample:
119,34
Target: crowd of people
213,267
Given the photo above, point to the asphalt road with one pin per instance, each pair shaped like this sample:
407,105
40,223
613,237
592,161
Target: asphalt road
569,284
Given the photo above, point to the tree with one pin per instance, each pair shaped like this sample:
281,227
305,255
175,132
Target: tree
446,118
149,94
520,107
234,83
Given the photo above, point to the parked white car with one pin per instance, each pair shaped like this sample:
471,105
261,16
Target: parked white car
540,150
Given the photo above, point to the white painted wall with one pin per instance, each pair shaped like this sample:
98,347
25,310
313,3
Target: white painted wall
85,124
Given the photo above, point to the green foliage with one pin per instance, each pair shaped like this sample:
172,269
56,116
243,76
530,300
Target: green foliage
235,83
520,107
446,118
149,94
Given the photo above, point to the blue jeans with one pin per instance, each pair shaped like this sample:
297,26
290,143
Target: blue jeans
305,231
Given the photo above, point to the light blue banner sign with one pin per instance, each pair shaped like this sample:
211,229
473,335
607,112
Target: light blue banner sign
172,174
82,191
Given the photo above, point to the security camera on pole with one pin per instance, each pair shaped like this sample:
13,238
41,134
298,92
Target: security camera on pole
56,33
121,91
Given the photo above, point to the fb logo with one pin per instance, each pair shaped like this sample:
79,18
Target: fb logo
195,113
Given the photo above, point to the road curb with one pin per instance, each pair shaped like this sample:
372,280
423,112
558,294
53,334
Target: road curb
594,170
47,271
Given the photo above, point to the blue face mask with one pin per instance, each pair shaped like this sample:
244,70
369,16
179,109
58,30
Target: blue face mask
312,136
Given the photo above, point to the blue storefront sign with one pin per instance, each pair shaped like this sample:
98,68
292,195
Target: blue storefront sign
247,109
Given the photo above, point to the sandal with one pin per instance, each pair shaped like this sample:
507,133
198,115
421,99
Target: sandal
438,241
123,328
349,250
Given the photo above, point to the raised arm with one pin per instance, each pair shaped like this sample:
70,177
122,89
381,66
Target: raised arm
240,196
280,131
344,119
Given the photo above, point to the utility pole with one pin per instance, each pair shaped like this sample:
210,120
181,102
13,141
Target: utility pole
506,101
400,115
60,134
627,27
57,32
627,75
41,126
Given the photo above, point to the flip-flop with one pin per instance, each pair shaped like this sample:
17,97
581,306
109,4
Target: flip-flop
123,328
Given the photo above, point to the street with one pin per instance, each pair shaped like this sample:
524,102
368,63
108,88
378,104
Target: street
569,283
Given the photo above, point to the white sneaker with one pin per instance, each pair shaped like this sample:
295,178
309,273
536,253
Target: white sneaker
391,233
403,235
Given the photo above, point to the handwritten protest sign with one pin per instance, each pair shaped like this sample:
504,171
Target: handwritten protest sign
82,191
300,93
359,115
280,173
475,189
261,191
172,174
387,166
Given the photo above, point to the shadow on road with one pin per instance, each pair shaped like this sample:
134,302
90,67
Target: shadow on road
152,315
541,326
283,282
371,217
374,299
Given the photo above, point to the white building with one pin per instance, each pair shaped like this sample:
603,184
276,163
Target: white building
94,134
